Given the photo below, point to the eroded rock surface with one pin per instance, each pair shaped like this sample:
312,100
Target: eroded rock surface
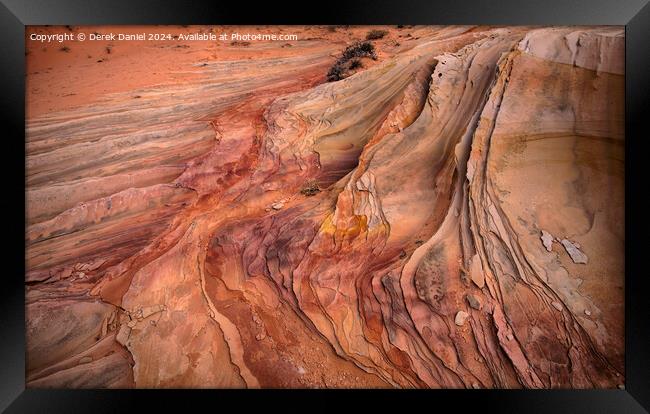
173,239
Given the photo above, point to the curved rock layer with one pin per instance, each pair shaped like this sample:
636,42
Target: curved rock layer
449,216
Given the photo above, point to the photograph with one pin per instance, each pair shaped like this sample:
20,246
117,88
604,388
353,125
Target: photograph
325,206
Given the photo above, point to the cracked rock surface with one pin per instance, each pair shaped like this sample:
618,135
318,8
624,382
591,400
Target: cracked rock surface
467,231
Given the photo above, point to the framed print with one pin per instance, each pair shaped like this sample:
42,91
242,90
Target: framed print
394,202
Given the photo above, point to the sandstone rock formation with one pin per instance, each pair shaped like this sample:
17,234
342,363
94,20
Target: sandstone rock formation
465,228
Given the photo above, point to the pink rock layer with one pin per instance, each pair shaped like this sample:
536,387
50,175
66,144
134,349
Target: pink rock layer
448,216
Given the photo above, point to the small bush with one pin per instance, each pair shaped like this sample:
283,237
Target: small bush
355,64
334,28
310,189
336,72
376,34
349,60
359,49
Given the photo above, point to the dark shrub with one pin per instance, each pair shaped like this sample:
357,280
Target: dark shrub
359,49
336,72
354,64
349,60
310,188
376,34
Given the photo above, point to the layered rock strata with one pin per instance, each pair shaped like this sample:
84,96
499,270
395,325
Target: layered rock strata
466,230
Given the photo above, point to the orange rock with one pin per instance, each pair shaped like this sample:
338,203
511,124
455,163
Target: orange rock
432,170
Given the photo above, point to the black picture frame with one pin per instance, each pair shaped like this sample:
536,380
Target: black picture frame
16,14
